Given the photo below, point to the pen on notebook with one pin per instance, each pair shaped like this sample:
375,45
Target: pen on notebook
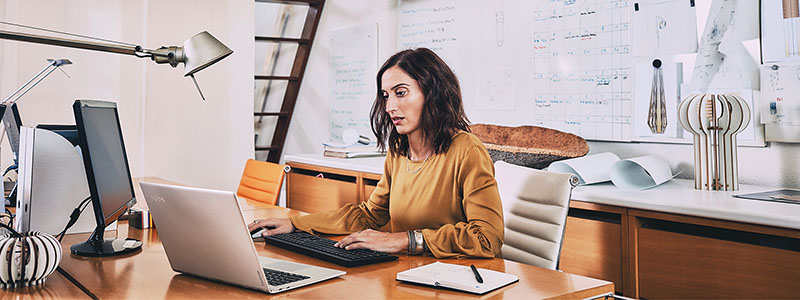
477,275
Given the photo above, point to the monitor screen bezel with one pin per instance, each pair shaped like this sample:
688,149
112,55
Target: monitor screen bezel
78,107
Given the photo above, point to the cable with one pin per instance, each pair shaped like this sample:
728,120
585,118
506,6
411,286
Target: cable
73,217
10,216
67,33
13,232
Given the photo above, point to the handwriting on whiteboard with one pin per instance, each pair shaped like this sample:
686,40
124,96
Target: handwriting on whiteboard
582,67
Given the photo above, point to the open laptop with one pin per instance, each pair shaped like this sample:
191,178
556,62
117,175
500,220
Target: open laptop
205,235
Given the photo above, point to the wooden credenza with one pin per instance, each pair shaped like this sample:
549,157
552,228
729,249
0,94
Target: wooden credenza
312,188
677,242
668,242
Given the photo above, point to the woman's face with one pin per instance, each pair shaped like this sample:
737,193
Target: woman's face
404,100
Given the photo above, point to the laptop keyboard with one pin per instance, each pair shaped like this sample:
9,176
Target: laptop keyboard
276,278
322,248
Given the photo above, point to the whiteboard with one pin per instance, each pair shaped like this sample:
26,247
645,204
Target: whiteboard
557,64
354,62
566,64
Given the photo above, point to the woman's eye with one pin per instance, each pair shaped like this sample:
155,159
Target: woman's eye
385,96
401,93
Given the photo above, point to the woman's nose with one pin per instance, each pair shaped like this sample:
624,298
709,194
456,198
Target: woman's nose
391,104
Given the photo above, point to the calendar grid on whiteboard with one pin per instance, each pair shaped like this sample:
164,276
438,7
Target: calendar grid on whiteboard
583,44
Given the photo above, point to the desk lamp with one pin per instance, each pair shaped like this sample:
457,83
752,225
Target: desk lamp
10,118
197,53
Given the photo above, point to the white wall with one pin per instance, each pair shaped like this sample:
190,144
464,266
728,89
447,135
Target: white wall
775,165
311,121
94,75
169,131
188,140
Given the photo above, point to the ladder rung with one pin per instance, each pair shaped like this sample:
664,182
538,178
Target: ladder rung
271,113
270,148
266,77
291,1
281,40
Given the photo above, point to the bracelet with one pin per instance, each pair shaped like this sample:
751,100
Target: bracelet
418,244
411,242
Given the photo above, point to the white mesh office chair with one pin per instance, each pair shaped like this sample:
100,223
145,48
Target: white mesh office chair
535,205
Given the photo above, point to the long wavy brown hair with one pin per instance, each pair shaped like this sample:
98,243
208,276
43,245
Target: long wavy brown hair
443,110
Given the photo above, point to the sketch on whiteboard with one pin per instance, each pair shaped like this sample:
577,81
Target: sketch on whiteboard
499,20
661,24
664,28
495,89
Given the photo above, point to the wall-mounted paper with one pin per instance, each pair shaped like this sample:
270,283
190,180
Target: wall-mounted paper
589,169
722,61
780,101
780,30
641,173
669,27
672,77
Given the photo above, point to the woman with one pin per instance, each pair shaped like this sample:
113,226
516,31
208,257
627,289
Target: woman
438,188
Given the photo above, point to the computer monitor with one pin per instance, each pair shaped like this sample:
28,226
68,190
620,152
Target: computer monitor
107,172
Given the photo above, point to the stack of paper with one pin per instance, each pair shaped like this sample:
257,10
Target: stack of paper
353,151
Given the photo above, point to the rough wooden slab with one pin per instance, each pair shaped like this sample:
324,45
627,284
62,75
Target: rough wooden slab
530,146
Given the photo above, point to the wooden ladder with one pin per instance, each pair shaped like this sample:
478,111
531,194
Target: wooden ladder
295,77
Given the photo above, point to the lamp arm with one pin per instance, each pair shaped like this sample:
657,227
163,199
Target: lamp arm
29,82
70,43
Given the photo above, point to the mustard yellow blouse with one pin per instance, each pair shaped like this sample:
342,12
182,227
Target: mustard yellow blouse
452,197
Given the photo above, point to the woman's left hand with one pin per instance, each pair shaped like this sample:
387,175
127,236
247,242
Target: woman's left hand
375,240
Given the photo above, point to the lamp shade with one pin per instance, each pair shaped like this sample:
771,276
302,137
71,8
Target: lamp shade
201,51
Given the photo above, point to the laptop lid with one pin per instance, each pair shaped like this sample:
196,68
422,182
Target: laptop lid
204,234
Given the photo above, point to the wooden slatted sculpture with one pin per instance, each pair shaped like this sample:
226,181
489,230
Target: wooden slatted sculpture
715,120
27,259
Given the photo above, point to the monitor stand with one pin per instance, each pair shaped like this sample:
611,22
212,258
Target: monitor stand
96,246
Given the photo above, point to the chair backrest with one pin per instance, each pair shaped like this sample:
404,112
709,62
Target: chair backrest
261,181
535,205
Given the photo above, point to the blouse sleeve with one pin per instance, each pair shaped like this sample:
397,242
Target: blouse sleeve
482,234
373,213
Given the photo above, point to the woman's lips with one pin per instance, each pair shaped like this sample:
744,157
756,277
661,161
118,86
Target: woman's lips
397,120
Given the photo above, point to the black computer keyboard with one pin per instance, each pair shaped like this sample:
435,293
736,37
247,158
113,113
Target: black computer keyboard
276,278
322,248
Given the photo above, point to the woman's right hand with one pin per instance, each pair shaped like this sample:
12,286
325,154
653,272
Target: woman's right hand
273,226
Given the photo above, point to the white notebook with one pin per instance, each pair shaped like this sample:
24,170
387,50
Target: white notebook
457,277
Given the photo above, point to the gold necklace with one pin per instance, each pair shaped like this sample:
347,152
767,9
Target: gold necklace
420,167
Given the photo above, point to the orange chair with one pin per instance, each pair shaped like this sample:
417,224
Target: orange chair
261,181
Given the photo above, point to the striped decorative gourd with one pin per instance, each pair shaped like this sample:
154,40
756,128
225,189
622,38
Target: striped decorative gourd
27,260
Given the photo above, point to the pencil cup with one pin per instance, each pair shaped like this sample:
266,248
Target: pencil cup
715,120
27,260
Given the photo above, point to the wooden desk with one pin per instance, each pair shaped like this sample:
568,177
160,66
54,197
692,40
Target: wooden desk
148,275
672,241
56,287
